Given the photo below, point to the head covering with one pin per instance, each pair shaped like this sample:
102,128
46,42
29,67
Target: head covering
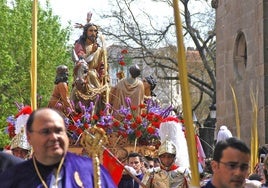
171,131
134,71
20,141
223,133
167,147
21,118
151,81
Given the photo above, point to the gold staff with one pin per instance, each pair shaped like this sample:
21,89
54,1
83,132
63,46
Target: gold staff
34,56
93,146
93,141
186,101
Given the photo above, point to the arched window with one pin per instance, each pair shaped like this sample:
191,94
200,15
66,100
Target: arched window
240,55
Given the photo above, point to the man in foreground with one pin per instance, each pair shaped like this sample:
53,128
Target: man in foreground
230,164
51,165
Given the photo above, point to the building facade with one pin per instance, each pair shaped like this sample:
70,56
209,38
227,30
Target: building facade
242,59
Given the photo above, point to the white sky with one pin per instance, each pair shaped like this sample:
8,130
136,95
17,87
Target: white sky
76,10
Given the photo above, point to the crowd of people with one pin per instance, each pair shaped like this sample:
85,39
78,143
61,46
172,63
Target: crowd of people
51,165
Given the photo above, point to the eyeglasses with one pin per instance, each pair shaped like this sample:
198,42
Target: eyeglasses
48,131
91,30
235,165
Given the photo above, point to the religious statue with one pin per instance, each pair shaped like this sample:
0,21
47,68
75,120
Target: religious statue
90,71
131,88
60,95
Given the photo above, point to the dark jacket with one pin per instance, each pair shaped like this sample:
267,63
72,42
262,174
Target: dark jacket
7,161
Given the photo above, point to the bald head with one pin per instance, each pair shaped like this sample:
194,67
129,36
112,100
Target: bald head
41,111
46,132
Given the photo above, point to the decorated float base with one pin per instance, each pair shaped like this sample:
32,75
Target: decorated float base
119,147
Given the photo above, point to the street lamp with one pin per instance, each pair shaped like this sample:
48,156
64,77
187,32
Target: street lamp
213,112
208,132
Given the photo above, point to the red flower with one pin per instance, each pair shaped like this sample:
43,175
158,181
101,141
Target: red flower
116,123
129,117
79,131
143,114
156,124
122,63
124,134
102,113
24,110
150,130
11,128
138,133
72,127
126,126
86,125
138,120
133,107
150,116
142,105
77,117
134,125
124,51
95,117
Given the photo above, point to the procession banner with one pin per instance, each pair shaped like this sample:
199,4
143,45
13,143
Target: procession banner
114,167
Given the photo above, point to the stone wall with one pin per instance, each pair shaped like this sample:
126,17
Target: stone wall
241,63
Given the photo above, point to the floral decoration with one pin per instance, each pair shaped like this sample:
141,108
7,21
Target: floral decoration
123,58
126,123
11,120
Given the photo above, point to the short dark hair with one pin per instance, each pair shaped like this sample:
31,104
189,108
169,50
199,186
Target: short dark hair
134,154
30,120
232,142
149,158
